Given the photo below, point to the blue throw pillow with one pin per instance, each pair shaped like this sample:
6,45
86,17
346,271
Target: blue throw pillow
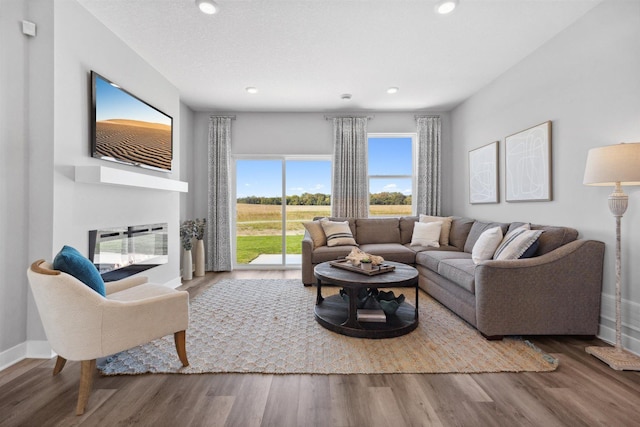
72,262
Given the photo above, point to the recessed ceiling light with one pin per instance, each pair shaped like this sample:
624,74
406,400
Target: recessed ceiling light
252,90
446,6
207,6
392,90
345,96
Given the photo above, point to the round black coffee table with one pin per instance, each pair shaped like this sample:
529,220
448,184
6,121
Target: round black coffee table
338,315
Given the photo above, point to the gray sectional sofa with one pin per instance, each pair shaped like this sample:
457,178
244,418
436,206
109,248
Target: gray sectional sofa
555,292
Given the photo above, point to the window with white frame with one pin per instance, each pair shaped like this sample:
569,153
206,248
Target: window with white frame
391,165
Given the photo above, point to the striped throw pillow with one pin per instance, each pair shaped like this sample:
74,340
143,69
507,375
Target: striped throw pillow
516,243
338,233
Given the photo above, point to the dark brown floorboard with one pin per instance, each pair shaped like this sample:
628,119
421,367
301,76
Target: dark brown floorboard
581,392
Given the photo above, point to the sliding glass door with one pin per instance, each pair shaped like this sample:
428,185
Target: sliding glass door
274,196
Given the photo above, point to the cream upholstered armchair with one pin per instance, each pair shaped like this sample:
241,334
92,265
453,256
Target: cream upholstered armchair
82,325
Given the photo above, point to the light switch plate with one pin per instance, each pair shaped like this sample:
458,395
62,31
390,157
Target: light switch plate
29,28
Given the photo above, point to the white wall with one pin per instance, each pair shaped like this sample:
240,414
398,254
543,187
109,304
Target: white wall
81,207
587,82
296,134
48,81
186,159
13,177
39,92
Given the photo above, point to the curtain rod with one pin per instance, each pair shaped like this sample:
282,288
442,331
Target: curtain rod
347,116
425,116
223,116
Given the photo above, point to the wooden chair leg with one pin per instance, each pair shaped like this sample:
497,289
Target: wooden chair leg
87,369
181,346
60,361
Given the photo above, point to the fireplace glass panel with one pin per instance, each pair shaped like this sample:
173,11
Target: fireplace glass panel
124,251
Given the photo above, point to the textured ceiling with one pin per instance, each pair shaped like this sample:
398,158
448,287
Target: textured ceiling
302,55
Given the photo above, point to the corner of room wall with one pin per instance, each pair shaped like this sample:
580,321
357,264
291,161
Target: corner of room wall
187,120
14,135
55,96
585,80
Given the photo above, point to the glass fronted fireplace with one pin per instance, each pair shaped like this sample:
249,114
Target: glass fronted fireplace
124,251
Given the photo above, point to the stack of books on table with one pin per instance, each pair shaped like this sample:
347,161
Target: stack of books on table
365,315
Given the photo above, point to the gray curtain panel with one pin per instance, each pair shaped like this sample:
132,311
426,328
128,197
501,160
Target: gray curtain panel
218,253
428,193
350,193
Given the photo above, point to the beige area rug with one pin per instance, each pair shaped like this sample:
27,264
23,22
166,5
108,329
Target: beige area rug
268,326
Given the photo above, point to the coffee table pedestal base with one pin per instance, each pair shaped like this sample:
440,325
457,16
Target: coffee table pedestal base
333,314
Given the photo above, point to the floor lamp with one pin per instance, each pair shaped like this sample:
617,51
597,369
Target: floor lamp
615,165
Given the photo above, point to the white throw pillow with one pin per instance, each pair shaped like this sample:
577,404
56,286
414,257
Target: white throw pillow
486,245
444,230
426,234
338,233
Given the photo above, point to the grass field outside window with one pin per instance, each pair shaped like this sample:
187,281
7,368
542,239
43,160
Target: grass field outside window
259,227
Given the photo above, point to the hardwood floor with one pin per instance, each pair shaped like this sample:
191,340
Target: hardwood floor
581,392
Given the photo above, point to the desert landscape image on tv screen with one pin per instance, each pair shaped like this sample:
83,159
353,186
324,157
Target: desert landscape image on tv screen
129,130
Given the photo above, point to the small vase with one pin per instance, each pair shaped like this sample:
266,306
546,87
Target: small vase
366,266
187,265
199,258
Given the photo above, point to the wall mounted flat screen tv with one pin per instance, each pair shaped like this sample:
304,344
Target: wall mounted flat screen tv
127,130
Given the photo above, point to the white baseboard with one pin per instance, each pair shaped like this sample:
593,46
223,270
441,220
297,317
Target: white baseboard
630,323
13,355
39,350
174,283
25,350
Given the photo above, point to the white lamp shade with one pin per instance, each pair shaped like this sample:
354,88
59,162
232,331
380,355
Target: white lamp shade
613,164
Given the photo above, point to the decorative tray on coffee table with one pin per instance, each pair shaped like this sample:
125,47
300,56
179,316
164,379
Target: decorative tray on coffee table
378,269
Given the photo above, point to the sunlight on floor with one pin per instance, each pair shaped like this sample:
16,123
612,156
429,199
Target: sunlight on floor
276,259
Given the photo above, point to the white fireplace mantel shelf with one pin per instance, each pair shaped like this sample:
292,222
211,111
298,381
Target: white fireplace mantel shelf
111,176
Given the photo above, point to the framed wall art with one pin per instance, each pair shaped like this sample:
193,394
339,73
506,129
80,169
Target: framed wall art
528,164
483,174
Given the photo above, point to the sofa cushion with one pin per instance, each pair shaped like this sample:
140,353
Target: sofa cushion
429,249
445,229
486,244
406,228
316,232
378,230
329,253
338,233
552,238
478,228
459,232
391,252
516,243
431,259
426,234
459,271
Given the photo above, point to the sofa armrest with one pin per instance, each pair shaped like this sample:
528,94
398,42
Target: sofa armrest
154,316
126,283
307,265
555,293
